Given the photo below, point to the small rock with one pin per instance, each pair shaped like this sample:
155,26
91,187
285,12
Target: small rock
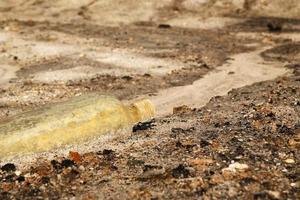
45,180
274,194
18,173
108,154
181,172
274,26
143,125
164,26
55,164
20,179
204,143
296,184
81,168
9,167
289,161
182,109
75,156
67,163
42,188
127,78
234,167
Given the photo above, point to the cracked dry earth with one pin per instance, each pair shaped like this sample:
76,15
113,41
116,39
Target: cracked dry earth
226,88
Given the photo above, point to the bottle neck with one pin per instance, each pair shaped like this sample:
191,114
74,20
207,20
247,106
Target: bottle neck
141,110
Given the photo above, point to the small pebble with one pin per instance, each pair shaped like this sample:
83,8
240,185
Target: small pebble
18,173
296,184
81,168
9,167
289,161
234,167
67,163
274,194
20,179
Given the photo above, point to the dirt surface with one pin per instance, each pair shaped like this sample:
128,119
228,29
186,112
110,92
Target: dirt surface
241,146
224,76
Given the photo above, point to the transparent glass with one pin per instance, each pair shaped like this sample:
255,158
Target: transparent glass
72,121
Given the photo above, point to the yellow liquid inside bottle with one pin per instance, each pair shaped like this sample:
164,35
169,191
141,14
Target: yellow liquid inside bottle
72,121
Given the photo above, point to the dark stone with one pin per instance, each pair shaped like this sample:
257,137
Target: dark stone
164,26
67,163
127,78
180,172
134,162
9,167
108,154
226,123
148,167
20,179
72,175
143,125
234,141
239,151
55,164
285,130
274,27
204,143
258,195
9,178
34,192
217,125
199,192
45,180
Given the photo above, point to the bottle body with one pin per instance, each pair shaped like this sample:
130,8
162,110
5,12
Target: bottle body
73,121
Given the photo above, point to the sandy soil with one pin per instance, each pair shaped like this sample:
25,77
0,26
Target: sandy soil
224,76
242,69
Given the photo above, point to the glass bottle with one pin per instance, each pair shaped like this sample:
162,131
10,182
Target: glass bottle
72,121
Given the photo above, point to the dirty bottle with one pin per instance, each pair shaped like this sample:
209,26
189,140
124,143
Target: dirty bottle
72,121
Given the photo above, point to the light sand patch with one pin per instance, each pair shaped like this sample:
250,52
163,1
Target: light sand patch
244,69
4,37
26,50
137,62
119,62
63,75
7,72
47,49
295,37
208,23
